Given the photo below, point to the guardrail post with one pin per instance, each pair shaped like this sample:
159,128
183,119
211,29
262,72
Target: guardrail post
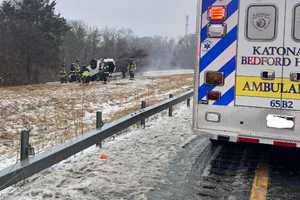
99,120
26,149
188,102
24,153
99,125
143,121
171,107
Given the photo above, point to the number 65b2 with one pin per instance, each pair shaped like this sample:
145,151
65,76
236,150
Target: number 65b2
281,104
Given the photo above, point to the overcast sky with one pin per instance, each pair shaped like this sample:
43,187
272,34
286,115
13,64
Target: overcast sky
144,17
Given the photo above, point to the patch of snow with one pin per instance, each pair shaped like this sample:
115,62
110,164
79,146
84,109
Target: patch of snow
168,72
137,160
5,161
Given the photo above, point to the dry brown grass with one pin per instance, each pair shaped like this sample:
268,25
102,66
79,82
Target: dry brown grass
58,112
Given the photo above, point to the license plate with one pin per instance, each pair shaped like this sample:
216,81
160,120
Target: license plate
280,122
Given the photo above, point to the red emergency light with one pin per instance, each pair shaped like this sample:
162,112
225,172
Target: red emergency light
214,95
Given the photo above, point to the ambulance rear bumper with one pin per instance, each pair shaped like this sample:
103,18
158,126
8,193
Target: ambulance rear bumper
245,124
238,138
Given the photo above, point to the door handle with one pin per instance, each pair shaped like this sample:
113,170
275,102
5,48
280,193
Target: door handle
267,75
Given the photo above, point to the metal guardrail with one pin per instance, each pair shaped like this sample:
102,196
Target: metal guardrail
37,163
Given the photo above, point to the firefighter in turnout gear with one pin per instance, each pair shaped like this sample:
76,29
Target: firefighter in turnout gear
63,74
131,69
77,70
85,74
74,72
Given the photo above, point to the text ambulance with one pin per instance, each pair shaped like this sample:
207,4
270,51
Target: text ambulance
247,78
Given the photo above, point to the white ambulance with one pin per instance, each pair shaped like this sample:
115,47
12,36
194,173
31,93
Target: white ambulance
247,78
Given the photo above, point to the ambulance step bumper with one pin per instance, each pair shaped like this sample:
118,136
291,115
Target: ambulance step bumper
254,140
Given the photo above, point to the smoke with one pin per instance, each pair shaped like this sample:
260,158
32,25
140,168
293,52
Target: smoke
167,53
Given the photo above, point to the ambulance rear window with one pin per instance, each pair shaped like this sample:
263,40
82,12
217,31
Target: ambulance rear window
297,23
261,22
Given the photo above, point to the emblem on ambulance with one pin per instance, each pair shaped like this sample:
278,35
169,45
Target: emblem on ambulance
261,21
206,45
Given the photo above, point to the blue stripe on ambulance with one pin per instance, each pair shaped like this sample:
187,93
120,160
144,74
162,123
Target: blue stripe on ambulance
232,7
227,98
227,69
204,33
206,4
215,52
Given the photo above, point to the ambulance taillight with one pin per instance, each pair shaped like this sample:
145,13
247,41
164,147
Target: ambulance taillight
217,13
213,95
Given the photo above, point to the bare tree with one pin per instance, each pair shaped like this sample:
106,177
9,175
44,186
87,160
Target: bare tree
30,37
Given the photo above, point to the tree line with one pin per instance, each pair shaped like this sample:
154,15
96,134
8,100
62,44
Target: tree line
35,42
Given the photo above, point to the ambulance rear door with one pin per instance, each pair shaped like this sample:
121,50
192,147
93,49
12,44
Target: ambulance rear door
291,72
259,64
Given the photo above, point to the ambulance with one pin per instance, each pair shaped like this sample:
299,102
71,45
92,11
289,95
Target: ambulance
247,74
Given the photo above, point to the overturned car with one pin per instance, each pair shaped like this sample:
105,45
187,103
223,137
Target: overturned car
99,70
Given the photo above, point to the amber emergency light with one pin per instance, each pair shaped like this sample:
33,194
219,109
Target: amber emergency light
216,13
214,78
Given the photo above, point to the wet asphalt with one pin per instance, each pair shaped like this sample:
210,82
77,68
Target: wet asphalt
225,171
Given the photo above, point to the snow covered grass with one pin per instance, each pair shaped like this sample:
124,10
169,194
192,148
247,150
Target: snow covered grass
137,160
167,72
58,112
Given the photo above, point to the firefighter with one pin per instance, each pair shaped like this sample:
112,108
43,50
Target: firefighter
124,71
85,75
72,75
77,70
63,74
131,69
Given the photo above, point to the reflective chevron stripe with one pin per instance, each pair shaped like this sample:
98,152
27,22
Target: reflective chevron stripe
219,54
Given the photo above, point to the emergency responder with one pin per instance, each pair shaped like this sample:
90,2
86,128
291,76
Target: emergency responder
131,69
124,70
63,74
72,75
85,74
77,70
123,67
